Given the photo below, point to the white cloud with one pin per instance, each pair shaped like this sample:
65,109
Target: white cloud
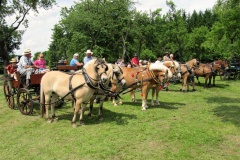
38,35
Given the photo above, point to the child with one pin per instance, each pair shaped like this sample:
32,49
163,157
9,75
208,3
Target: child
40,64
11,68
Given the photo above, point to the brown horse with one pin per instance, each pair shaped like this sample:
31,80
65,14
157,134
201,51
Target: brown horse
79,87
143,78
210,71
114,75
186,73
221,66
206,71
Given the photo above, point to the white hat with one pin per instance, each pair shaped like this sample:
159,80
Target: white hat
89,51
75,55
27,51
13,60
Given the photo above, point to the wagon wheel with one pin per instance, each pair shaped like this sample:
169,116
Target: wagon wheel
24,101
224,75
8,95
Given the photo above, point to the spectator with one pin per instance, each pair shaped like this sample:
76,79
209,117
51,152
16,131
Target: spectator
171,57
166,56
74,61
40,64
121,62
25,65
159,59
88,56
11,68
135,61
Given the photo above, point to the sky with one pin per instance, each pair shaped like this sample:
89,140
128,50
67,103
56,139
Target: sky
37,36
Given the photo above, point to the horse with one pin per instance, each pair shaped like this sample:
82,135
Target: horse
114,75
206,71
186,71
222,65
79,87
210,71
144,78
172,67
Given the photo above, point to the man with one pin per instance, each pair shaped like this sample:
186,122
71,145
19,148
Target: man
166,57
25,65
88,56
74,61
135,61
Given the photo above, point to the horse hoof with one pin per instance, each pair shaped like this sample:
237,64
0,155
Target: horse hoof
158,103
49,120
143,109
81,123
120,103
115,105
180,89
74,125
55,119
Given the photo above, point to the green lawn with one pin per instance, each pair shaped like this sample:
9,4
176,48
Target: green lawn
195,125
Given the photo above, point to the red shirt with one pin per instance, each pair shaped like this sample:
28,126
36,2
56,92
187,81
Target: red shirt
10,68
135,61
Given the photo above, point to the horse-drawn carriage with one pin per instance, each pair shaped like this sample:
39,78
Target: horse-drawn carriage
17,90
25,95
232,72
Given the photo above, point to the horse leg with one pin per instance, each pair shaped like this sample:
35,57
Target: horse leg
214,81
184,84
132,93
54,99
157,93
100,113
144,98
153,93
47,100
91,107
77,106
82,113
198,80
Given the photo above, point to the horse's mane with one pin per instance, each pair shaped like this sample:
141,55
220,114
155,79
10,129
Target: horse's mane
157,66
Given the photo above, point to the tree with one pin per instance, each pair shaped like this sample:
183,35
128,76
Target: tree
10,36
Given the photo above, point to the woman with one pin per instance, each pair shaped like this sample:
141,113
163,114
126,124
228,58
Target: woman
40,64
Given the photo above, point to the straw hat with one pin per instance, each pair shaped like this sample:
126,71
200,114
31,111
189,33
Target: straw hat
89,51
13,60
27,51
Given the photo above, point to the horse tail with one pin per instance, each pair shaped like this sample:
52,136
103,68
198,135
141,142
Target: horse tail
42,102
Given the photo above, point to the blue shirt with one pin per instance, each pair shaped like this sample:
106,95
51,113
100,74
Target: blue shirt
86,59
73,62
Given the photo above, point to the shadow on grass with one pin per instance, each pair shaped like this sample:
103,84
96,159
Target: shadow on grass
228,114
228,111
165,105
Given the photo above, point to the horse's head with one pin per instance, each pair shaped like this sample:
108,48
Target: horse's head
225,64
194,63
101,68
118,75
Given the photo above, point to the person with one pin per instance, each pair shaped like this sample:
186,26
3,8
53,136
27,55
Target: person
166,56
62,61
11,69
25,65
140,62
40,64
135,61
88,56
159,59
121,62
171,57
129,65
75,62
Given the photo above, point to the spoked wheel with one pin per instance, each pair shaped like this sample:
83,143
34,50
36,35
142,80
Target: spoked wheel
24,101
8,95
224,75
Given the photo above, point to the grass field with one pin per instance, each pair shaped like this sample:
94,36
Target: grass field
198,125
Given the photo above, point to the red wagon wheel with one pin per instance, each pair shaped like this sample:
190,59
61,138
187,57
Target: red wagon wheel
24,101
8,95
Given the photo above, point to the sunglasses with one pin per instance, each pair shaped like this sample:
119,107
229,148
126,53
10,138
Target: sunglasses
41,57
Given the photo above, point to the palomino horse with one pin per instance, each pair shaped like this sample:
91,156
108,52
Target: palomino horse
186,71
144,78
172,68
114,75
79,87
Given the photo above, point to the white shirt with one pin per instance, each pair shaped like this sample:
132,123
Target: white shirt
23,62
